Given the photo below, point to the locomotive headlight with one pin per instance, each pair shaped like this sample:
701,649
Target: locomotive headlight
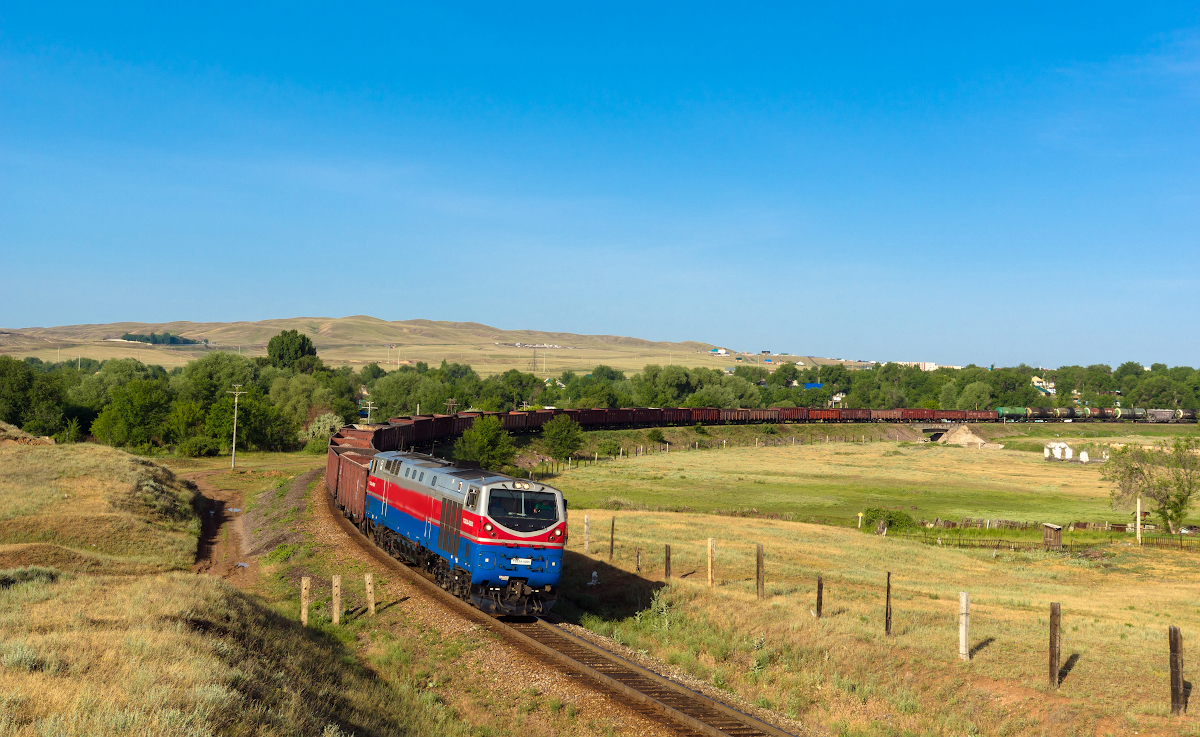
487,526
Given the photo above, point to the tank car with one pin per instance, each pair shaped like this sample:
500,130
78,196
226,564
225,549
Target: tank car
491,539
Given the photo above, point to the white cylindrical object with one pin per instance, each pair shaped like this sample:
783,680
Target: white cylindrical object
1068,453
964,625
1058,452
1083,456
1046,452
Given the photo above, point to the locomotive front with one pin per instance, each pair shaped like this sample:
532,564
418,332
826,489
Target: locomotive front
522,529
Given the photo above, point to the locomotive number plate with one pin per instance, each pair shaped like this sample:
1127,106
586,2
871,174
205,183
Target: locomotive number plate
522,561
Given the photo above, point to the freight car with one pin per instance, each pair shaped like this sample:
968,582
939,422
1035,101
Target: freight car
491,539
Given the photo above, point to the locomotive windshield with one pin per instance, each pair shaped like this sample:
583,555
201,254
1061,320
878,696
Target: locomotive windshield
523,511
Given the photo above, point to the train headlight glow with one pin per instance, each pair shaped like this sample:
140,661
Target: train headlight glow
487,526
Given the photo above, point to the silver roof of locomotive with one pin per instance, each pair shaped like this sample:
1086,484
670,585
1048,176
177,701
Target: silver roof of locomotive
447,469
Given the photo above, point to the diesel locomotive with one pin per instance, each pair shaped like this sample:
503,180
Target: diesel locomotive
491,539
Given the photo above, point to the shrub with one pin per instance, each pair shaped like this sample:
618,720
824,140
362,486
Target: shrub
895,519
562,436
656,436
700,429
316,446
609,447
14,576
198,447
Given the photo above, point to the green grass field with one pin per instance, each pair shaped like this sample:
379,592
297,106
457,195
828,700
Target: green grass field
834,482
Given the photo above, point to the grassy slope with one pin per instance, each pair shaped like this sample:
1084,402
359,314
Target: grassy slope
157,653
844,674
361,339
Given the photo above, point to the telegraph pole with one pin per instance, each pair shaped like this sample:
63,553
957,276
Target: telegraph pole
236,394
370,406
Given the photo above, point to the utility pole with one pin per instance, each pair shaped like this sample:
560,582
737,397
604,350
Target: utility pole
450,405
370,406
236,394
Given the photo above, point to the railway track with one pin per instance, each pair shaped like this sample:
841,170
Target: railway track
648,693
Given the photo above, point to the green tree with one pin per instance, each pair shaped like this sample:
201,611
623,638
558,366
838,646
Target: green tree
371,372
135,416
1166,474
487,443
563,436
16,379
977,395
948,396
288,347
186,420
260,425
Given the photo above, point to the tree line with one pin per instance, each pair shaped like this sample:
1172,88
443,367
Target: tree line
292,397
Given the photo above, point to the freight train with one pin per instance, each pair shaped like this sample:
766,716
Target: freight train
490,539
497,541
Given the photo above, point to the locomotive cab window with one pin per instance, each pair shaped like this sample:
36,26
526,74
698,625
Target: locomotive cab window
523,511
472,498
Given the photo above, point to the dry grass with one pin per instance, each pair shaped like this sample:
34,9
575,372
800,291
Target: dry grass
90,507
843,673
183,655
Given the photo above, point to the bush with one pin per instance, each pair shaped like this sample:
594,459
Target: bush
656,436
895,519
14,576
700,429
316,446
562,436
198,447
609,447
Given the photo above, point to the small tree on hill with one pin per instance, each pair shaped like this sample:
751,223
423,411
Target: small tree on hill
287,348
1167,475
486,443
563,436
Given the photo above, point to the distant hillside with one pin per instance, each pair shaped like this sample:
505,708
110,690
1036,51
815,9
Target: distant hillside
362,339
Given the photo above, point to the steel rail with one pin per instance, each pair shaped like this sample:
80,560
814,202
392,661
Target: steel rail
655,694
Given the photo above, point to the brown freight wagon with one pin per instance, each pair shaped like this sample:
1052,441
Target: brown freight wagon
764,415
443,427
793,414
331,471
824,415
353,470
647,416
677,415
387,437
422,428
350,431
982,415
916,415
618,417
514,421
349,442
706,415
886,415
463,422
735,415
592,417
856,415
950,415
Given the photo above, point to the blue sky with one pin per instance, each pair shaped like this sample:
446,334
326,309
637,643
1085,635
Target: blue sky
945,183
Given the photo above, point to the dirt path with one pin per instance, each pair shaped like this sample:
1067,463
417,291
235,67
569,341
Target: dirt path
221,550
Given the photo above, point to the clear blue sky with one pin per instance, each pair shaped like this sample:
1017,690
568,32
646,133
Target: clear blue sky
941,182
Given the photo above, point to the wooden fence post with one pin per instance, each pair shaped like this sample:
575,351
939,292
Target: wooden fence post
369,578
1177,695
887,624
305,583
667,566
637,566
612,538
1055,651
337,599
964,626
759,578
820,595
1138,521
587,528
712,554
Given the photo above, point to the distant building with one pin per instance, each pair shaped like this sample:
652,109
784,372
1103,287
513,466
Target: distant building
1043,386
719,352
